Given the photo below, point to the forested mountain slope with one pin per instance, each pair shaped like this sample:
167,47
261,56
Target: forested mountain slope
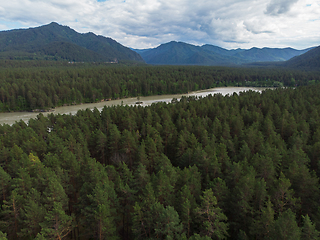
269,54
179,53
237,167
307,61
57,42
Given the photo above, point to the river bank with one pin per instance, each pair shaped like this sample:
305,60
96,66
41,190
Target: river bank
12,117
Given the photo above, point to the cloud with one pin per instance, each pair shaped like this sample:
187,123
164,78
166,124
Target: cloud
277,7
148,23
259,26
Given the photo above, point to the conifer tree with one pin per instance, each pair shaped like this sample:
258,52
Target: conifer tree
309,230
186,205
282,196
57,224
146,213
286,227
214,220
101,212
263,224
32,214
10,215
3,236
5,179
168,226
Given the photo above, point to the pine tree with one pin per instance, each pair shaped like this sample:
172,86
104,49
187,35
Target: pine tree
10,214
101,146
3,236
145,214
286,226
142,178
198,237
98,201
168,225
214,220
125,196
5,179
100,213
263,224
309,230
186,205
282,196
32,214
57,224
164,189
220,191
128,146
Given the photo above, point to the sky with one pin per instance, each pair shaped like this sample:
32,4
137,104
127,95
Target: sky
145,24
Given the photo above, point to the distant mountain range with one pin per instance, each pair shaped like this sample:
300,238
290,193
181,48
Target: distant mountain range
179,53
57,42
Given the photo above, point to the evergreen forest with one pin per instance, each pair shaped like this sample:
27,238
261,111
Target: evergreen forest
42,85
241,166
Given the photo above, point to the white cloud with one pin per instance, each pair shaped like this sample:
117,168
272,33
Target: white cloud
148,23
276,7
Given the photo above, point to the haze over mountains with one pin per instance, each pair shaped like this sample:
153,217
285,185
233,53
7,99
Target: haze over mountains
179,53
57,42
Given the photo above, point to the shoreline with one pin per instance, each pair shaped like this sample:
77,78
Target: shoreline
12,117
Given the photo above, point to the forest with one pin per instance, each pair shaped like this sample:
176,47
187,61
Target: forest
42,85
241,166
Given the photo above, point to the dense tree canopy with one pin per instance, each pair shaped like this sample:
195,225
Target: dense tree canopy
41,85
242,166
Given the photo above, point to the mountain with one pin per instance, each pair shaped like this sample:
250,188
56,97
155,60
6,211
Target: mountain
179,53
269,54
308,61
57,42
222,51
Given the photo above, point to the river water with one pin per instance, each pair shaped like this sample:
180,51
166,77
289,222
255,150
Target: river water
12,117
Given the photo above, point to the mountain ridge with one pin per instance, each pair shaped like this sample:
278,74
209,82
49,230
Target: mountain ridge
46,41
307,61
213,55
56,42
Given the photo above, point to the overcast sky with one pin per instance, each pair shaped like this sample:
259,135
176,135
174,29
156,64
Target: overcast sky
148,23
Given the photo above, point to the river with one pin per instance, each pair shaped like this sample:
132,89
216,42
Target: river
12,117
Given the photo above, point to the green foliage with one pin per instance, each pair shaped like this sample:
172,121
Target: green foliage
57,224
168,225
40,85
286,226
212,218
3,236
308,229
100,211
185,170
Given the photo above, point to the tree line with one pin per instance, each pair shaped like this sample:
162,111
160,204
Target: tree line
27,86
236,167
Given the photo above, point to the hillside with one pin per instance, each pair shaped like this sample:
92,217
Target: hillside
179,53
269,54
56,42
309,61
